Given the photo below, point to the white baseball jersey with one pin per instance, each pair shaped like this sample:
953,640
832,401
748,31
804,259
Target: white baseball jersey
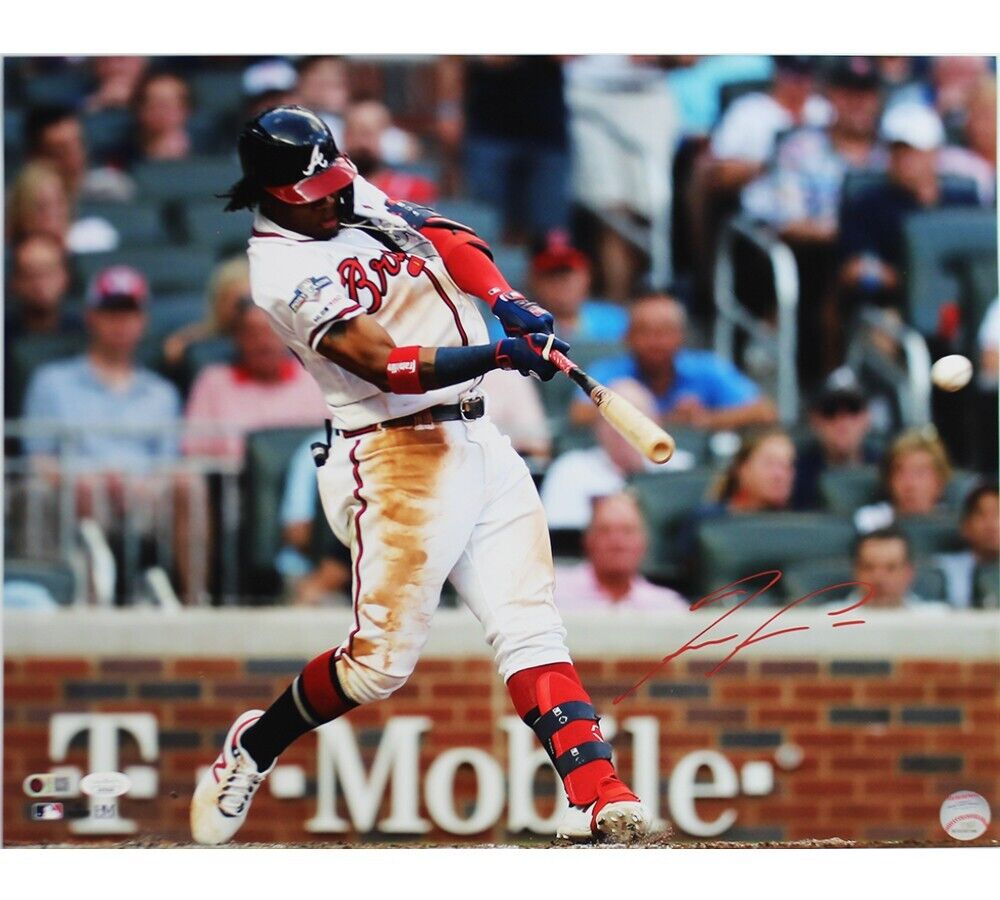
382,268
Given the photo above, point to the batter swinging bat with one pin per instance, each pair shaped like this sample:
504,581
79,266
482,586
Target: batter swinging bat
641,432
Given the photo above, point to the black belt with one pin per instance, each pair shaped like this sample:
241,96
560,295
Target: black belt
469,409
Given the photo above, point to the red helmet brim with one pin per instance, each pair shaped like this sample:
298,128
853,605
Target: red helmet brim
338,175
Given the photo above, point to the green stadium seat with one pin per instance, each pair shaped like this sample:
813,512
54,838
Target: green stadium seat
200,354
169,312
801,579
844,490
986,583
936,533
480,217
64,88
217,90
26,354
962,481
268,454
513,262
666,500
168,269
138,225
207,225
936,240
979,280
107,133
56,577
739,545
197,178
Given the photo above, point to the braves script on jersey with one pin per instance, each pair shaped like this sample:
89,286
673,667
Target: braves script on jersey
382,268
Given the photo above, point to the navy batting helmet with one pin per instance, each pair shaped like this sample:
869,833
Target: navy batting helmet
289,153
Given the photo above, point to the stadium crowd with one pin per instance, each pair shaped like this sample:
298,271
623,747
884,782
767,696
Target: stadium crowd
140,380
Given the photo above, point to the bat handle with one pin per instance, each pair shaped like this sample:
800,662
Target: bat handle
569,368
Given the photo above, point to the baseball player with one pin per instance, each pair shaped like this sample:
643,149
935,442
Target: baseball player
372,296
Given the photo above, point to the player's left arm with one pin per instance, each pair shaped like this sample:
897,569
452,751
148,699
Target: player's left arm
363,347
469,261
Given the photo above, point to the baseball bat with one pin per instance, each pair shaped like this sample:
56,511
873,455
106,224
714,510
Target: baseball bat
639,430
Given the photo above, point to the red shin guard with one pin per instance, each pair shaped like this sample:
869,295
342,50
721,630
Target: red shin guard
552,701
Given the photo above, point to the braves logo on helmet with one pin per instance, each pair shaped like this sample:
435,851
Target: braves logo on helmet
316,161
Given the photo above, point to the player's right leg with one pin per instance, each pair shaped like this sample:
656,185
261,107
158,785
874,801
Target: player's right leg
506,577
382,497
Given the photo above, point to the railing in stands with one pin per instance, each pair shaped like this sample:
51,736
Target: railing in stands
732,316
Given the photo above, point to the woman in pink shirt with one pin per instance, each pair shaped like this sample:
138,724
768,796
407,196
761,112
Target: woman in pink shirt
264,388
615,545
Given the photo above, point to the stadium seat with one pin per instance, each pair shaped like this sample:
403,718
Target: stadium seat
481,217
208,226
108,133
268,454
740,545
168,269
962,481
936,533
65,88
28,353
137,224
978,278
935,241
844,490
217,90
801,579
513,262
987,586
169,312
57,578
666,499
197,178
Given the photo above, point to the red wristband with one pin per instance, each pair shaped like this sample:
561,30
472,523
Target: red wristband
403,370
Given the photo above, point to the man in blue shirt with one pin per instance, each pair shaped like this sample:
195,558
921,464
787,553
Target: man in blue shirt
691,387
108,424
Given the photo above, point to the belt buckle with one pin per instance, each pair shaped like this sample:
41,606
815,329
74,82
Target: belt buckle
423,420
472,408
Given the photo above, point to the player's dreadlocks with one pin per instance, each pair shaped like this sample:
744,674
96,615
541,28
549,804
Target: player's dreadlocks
244,194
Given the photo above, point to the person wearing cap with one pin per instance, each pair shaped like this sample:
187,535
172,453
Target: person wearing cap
267,83
690,387
840,421
800,194
871,236
93,396
560,281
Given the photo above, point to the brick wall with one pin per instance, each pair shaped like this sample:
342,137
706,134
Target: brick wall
883,741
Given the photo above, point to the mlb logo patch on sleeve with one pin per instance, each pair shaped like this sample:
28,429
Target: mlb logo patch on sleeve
308,290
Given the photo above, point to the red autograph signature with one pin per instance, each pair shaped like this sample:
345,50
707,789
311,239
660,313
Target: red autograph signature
731,590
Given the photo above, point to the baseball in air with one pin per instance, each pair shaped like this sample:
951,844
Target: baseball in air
965,815
951,373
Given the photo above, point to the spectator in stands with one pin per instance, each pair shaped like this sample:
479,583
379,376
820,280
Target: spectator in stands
105,385
948,91
37,290
308,583
228,286
609,579
508,114
268,83
980,527
560,280
915,473
871,236
977,157
800,195
746,136
883,562
323,86
38,204
760,475
95,395
367,130
265,388
577,476
54,134
690,387
117,79
840,422
162,109
514,405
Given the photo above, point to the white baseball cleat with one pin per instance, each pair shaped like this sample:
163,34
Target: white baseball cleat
222,798
620,822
